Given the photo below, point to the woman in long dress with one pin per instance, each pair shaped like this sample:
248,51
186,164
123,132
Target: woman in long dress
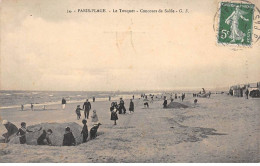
233,20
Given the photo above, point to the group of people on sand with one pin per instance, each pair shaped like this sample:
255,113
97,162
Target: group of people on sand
32,107
87,107
12,130
44,138
120,108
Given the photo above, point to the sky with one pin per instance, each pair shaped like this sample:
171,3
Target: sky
45,48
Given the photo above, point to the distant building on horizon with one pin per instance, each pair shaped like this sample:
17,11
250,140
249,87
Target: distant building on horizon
239,90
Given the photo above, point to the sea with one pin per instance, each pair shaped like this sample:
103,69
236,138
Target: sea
14,99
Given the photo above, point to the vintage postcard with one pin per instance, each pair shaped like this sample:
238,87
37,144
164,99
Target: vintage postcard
129,81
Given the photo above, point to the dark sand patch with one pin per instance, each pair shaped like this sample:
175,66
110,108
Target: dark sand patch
176,105
191,134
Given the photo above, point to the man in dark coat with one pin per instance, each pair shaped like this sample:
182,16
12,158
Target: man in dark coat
247,92
182,96
68,139
87,108
165,103
122,106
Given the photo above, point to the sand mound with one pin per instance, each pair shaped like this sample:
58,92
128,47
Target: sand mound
176,105
57,135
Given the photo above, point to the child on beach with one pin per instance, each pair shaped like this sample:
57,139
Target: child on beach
68,139
114,116
84,131
22,131
45,136
131,107
94,117
78,112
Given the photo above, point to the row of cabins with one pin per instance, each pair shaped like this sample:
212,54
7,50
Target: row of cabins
239,90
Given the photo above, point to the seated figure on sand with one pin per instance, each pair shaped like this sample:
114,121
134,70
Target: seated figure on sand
44,138
68,139
94,118
11,130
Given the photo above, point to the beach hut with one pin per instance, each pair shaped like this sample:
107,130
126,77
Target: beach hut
253,85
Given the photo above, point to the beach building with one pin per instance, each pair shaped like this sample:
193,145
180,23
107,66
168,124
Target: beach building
240,89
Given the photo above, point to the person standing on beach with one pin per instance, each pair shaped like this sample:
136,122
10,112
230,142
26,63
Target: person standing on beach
11,129
109,98
165,103
63,103
22,107
87,108
32,107
94,99
131,106
113,110
247,92
182,96
122,106
22,132
84,131
146,104
78,112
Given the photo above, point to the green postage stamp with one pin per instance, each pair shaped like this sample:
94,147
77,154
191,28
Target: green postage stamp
235,23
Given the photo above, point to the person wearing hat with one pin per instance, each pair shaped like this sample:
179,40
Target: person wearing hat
78,112
68,139
11,129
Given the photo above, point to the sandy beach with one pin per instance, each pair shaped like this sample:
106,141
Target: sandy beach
218,129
